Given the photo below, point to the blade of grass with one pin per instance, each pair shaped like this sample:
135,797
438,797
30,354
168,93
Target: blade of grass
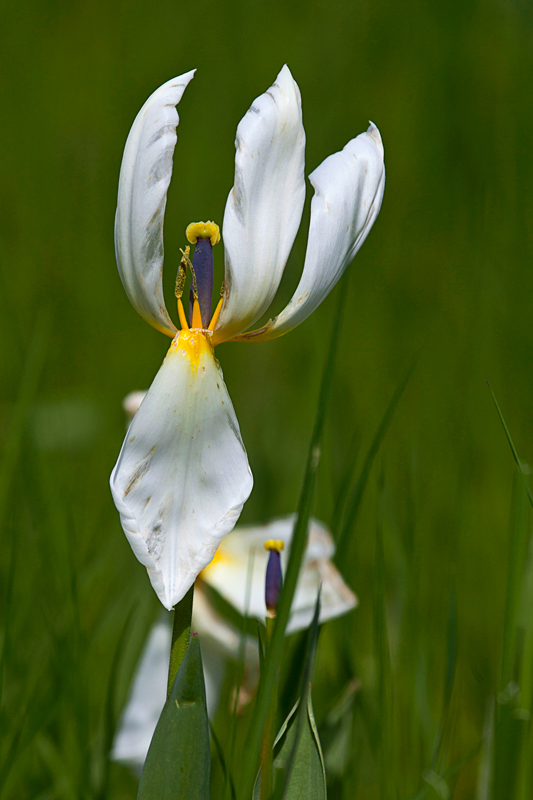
512,735
382,655
110,715
228,778
241,666
513,448
346,481
273,658
352,503
307,676
28,387
486,763
517,550
435,770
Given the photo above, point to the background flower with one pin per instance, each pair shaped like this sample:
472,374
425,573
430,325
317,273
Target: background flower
238,573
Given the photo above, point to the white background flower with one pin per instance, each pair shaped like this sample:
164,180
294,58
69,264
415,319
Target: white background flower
238,574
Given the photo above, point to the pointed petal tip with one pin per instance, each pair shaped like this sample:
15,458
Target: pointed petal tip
373,132
182,80
285,82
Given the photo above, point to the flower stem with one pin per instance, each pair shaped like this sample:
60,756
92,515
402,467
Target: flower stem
181,634
267,743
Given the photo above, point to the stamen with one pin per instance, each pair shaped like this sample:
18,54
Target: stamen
182,273
214,318
196,321
180,284
183,317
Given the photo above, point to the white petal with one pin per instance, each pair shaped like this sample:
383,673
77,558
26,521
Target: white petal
146,700
182,476
220,642
264,208
238,573
336,598
142,195
215,631
349,189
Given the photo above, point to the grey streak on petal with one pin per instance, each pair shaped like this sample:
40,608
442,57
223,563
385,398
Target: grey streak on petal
140,470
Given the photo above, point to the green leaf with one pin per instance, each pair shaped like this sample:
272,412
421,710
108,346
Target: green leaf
308,776
178,761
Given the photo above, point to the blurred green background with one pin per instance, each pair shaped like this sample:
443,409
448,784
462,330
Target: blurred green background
445,275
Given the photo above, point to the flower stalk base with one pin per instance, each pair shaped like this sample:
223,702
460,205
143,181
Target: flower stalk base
181,635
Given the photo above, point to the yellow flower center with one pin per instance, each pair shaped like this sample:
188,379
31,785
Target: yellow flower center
194,344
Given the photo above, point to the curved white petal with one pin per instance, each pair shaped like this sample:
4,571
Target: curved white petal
349,189
238,573
142,195
182,475
264,208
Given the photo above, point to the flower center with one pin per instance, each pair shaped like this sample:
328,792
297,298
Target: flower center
194,344
204,235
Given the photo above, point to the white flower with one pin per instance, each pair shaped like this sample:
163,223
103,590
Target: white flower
182,476
238,574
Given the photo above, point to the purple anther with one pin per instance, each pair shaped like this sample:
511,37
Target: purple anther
273,582
203,269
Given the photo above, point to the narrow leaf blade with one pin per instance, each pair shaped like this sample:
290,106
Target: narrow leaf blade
178,761
308,776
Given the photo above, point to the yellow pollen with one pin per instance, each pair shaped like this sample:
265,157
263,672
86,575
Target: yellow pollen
203,230
192,344
274,544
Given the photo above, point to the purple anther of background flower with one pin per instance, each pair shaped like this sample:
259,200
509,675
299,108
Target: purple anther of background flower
274,578
203,269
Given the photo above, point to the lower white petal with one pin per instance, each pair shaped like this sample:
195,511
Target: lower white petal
349,188
182,476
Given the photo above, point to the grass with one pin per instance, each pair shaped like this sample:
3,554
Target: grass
426,690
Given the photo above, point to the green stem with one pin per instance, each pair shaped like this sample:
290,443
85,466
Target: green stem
181,634
267,742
